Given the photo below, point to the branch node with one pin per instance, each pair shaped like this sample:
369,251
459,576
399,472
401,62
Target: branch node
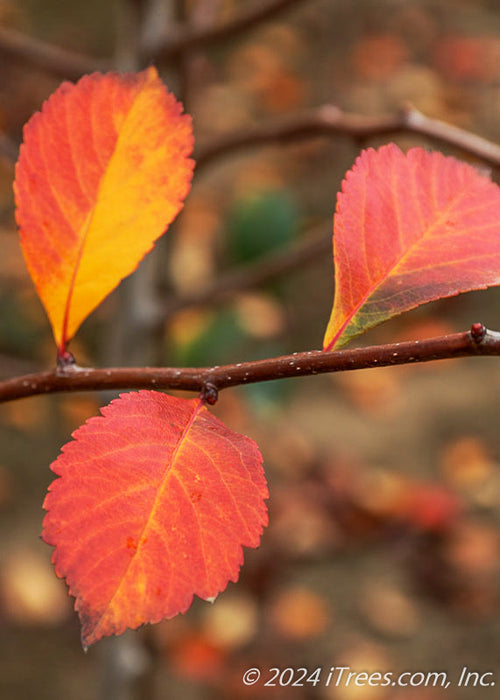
67,365
478,332
65,362
209,393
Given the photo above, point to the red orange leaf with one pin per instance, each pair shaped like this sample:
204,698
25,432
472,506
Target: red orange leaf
409,229
154,503
103,171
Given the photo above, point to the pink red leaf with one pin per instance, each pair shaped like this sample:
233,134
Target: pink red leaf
154,502
103,171
409,229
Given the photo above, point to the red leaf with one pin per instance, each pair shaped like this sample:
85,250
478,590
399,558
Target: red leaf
409,229
154,503
103,171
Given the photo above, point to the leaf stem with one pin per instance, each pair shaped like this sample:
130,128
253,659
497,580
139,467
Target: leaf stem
478,341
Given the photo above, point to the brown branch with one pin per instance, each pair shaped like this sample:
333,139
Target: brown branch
71,65
328,121
477,341
274,264
186,39
60,62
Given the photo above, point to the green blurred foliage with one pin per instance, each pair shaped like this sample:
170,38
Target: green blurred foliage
260,223
216,343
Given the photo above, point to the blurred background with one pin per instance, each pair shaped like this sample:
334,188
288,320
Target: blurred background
382,551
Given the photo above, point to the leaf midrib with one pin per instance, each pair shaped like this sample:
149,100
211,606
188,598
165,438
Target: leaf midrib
83,237
156,504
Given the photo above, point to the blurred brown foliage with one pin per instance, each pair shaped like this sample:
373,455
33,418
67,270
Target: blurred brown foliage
382,550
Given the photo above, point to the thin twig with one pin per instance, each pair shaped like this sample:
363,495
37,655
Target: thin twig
277,263
60,62
71,65
183,40
477,342
328,121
